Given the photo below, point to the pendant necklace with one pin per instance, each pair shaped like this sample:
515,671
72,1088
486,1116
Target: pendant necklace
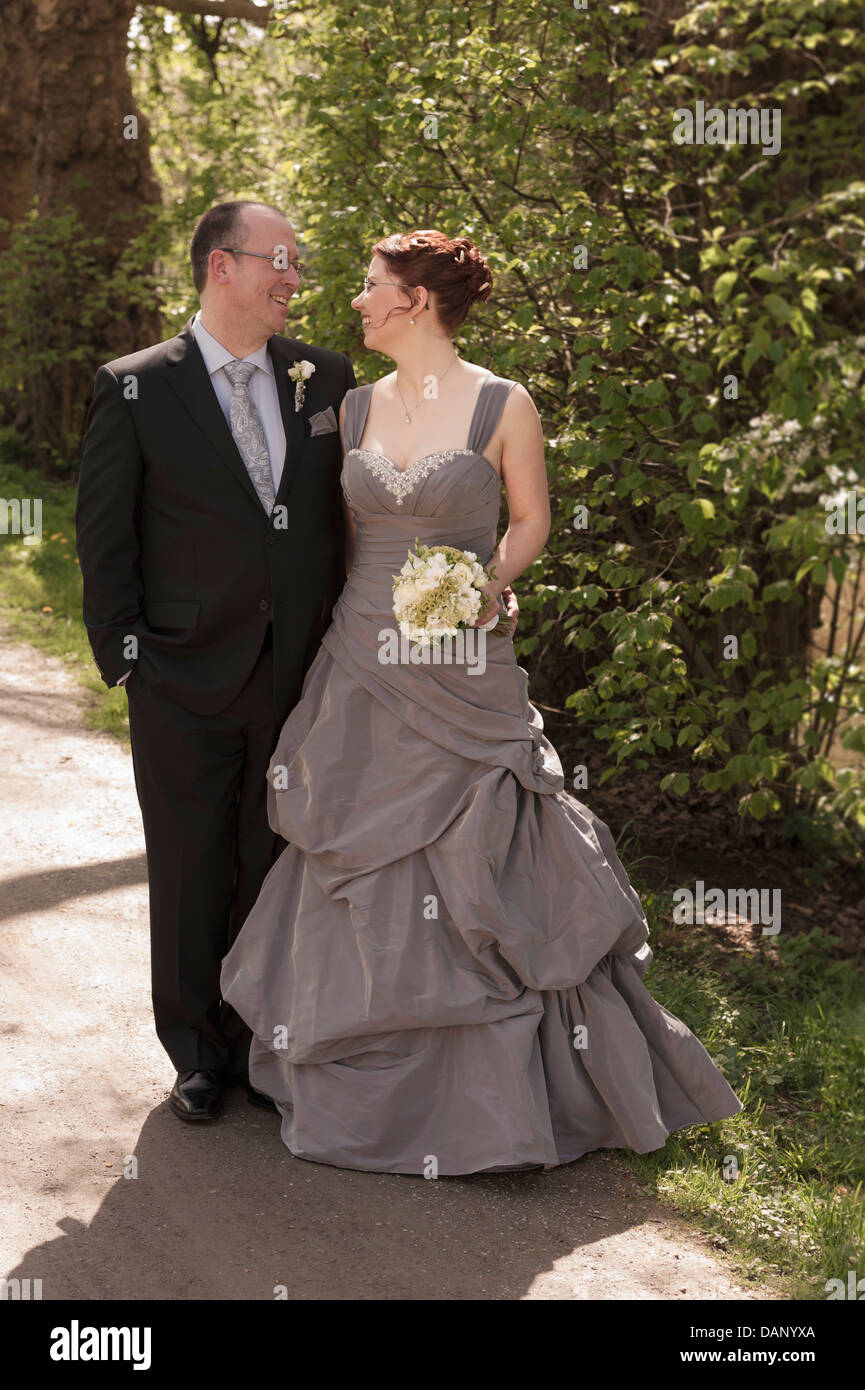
420,400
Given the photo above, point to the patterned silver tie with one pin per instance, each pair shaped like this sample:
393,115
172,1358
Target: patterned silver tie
249,433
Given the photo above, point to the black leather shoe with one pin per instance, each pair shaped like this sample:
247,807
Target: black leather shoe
197,1095
260,1099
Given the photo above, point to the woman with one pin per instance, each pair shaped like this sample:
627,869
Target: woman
443,970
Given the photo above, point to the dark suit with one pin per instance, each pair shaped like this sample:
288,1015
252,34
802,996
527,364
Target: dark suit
220,610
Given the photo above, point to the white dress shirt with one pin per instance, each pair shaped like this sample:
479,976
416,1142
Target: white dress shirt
262,390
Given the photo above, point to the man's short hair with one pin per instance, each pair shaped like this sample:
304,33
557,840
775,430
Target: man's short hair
222,225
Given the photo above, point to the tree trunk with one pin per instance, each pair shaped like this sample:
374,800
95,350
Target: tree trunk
17,111
66,112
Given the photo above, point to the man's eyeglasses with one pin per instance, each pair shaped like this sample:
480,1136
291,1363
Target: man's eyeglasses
278,258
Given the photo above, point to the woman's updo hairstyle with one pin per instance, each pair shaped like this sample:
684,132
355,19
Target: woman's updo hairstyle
452,269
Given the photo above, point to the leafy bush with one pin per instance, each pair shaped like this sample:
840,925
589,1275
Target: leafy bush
687,318
55,301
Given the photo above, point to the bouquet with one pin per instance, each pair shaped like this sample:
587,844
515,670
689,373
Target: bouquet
439,590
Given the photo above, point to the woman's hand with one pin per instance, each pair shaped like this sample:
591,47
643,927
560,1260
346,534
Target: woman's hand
513,611
491,605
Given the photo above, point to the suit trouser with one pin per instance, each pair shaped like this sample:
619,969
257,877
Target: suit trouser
201,784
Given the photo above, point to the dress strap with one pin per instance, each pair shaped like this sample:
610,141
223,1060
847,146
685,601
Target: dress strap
488,410
356,410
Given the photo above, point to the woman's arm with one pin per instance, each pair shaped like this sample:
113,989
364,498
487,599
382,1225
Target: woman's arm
525,478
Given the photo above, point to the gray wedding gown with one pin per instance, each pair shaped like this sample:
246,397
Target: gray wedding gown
443,970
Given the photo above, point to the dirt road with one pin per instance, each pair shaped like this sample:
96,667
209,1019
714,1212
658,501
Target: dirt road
225,1212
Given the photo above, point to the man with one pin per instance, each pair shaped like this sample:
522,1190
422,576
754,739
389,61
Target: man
211,543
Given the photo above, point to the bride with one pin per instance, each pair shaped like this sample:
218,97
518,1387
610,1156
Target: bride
443,969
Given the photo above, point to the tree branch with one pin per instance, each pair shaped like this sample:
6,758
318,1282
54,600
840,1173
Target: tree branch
225,9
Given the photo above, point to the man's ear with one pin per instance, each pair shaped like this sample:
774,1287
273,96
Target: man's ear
217,265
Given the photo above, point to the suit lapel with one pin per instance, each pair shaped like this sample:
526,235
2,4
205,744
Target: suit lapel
283,356
190,379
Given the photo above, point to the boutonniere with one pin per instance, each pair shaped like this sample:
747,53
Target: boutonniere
299,374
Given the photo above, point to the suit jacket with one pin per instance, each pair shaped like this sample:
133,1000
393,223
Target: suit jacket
175,548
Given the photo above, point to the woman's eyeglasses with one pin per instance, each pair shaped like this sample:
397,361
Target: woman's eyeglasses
371,284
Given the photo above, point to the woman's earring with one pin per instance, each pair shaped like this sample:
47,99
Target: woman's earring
411,320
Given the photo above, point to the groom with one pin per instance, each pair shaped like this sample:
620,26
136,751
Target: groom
211,542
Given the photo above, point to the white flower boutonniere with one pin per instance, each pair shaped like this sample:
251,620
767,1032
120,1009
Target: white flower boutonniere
299,374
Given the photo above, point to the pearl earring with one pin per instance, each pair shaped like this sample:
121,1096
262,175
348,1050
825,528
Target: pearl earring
411,320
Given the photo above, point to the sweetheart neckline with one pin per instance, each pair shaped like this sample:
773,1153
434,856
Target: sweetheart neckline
373,453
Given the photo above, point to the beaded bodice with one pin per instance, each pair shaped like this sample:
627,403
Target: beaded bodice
401,482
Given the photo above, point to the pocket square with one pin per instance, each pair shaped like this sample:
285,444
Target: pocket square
322,423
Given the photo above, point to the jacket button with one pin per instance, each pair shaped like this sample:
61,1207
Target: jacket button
264,605
270,538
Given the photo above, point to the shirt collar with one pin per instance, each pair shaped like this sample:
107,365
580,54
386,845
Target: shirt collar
215,355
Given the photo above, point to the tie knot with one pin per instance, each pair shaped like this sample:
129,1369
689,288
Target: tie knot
238,373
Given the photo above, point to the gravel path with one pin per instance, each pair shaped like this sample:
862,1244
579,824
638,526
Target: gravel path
225,1212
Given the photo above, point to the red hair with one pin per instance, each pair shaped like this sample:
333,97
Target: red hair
452,269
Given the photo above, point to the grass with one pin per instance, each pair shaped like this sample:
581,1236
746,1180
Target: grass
780,1185
40,592
785,1023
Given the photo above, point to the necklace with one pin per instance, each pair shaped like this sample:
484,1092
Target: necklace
420,399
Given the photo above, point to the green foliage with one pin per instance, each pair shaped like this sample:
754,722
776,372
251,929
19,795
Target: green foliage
786,1025
213,92
55,299
686,317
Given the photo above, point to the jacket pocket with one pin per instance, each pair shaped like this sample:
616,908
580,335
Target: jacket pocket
172,612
